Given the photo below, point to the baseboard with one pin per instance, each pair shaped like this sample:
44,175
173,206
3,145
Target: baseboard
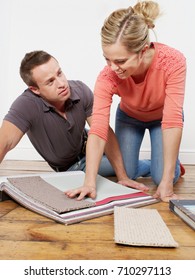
186,156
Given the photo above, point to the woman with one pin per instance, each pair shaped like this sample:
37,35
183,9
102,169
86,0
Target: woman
149,77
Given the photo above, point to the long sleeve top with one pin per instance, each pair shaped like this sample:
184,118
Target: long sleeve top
159,97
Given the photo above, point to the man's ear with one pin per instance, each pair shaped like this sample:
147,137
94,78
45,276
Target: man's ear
34,90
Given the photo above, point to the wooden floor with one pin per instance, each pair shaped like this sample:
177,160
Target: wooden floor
27,235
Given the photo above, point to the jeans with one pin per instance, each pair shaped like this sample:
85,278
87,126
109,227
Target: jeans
105,168
130,133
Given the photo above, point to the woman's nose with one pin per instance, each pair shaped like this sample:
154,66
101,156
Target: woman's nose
114,66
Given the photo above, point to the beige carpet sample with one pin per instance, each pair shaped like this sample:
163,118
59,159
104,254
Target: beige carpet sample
141,227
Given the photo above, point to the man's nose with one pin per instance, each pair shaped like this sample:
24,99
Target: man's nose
60,82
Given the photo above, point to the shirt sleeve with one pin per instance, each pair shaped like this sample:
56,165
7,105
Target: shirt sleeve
20,113
105,87
174,98
87,100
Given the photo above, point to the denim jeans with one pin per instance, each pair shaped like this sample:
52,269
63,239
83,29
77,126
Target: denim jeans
105,168
130,133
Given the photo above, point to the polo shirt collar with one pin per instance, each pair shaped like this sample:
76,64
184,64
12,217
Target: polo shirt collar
74,98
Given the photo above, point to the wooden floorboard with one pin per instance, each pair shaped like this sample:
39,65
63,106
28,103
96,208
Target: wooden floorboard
27,235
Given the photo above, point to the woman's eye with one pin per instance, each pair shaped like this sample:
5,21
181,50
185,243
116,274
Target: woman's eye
121,62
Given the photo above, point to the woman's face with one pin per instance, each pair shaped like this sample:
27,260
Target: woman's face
122,62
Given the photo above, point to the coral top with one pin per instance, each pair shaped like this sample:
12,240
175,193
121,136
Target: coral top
159,97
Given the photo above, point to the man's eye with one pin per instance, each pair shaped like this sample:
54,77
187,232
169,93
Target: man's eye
50,83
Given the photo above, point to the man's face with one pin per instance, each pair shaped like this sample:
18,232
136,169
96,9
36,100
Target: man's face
51,81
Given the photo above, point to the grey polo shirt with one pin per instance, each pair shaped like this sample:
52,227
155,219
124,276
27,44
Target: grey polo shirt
57,140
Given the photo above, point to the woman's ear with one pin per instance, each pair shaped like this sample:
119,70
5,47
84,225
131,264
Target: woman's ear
144,50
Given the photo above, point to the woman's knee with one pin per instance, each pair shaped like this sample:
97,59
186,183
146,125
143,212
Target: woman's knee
156,178
132,173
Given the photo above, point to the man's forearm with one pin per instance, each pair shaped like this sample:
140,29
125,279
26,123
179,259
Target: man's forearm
3,151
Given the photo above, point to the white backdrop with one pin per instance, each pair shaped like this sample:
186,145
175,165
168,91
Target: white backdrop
70,30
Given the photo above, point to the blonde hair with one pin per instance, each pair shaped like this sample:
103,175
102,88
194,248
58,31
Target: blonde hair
130,26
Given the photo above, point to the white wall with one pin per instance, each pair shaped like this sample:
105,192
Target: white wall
70,30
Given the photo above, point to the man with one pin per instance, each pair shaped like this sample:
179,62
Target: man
53,112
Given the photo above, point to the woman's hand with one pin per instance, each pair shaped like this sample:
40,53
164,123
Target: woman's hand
165,192
82,192
133,184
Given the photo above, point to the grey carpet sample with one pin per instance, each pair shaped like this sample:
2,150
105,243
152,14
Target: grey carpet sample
46,194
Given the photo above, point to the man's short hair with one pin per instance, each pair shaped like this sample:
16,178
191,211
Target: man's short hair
29,62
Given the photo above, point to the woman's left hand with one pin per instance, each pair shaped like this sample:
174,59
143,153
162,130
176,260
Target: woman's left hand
165,192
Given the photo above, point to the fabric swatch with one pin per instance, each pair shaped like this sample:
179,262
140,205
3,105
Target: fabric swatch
46,194
141,227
